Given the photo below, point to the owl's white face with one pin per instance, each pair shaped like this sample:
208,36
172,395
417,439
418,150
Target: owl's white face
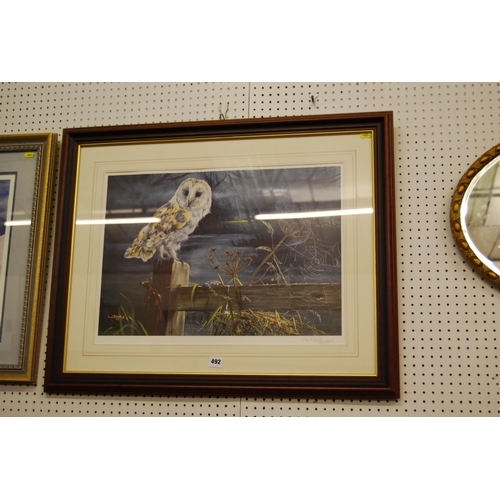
194,194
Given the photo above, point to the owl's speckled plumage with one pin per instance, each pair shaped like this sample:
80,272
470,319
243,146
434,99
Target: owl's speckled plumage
177,220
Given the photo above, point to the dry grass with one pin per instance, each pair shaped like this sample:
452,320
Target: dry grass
224,321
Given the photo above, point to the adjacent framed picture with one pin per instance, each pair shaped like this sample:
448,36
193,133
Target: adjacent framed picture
237,257
26,193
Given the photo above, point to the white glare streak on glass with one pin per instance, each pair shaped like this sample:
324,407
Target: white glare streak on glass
326,213
18,223
136,220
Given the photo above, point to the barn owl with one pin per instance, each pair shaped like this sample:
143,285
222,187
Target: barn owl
177,220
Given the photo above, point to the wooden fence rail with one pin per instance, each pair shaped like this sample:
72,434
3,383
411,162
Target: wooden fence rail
259,297
170,284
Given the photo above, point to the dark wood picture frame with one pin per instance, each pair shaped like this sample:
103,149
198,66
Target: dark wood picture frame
252,134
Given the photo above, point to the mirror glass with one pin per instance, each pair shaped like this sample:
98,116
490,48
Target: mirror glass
480,215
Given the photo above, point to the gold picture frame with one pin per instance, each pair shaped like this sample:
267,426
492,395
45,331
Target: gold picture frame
326,329
27,165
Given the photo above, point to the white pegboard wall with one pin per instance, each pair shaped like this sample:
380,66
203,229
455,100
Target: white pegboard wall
448,330
54,106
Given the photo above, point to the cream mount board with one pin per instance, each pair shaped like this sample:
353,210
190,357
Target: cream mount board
447,313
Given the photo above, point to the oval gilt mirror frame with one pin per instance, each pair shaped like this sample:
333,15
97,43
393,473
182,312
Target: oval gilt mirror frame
469,197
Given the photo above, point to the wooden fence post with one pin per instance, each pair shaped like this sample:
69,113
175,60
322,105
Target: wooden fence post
167,274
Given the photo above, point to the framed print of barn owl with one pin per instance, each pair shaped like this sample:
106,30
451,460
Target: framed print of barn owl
233,257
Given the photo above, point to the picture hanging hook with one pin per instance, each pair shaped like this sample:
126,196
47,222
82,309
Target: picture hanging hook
221,115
